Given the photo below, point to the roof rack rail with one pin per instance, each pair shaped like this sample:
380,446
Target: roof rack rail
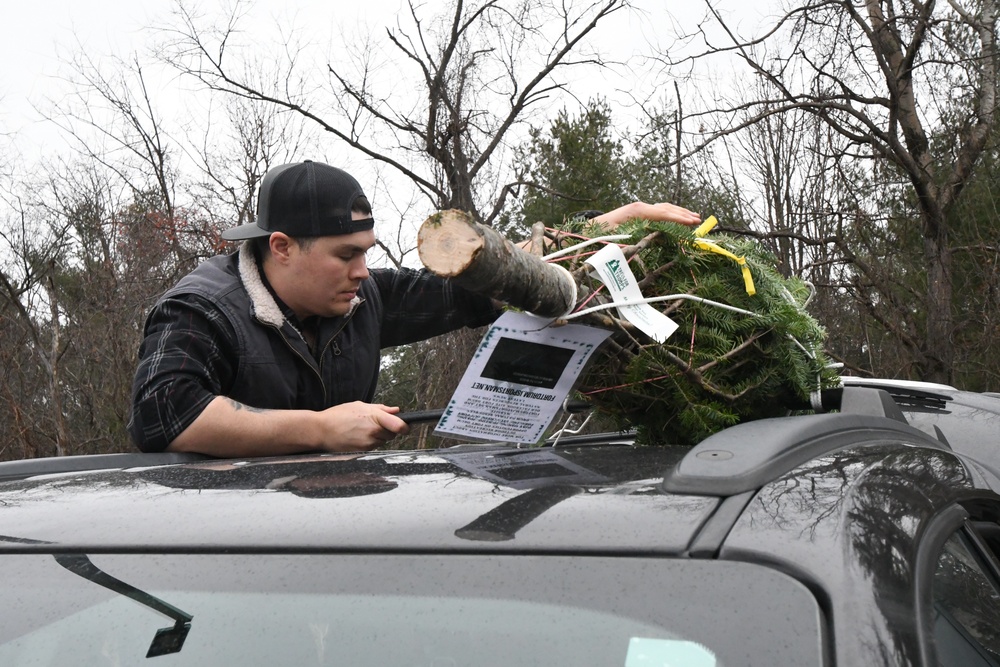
14,470
858,400
901,385
749,455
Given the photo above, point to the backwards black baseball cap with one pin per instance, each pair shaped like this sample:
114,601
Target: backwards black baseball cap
304,199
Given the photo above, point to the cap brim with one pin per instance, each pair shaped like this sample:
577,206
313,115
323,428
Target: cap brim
250,231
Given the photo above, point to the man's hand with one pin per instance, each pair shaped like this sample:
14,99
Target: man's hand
662,212
351,427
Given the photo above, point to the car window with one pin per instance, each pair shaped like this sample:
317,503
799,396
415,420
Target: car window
966,606
386,610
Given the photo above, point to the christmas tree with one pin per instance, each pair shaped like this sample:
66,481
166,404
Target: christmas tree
744,346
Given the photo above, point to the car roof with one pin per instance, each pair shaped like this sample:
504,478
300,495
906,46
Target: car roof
596,492
455,499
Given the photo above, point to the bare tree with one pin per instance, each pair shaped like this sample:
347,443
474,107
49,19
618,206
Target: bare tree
33,345
884,75
471,75
232,147
94,240
112,117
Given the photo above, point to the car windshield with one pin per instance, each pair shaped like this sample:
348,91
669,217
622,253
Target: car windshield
401,610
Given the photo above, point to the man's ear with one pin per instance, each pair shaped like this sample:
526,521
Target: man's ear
281,245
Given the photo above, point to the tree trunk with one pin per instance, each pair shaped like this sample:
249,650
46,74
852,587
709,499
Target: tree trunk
452,245
55,381
939,353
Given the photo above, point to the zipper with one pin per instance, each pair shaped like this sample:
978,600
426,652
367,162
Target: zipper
333,338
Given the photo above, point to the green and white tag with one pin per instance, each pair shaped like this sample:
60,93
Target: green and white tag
613,270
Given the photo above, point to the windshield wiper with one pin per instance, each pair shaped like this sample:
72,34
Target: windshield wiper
166,640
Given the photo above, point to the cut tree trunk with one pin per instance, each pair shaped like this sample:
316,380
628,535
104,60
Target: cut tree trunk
453,245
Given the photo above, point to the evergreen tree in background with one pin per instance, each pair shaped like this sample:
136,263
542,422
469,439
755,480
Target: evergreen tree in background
575,164
585,162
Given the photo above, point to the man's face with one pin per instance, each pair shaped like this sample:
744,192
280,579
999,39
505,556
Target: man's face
324,278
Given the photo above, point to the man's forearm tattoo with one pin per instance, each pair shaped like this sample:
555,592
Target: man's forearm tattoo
236,405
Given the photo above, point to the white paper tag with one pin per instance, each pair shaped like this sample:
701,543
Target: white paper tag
518,379
613,270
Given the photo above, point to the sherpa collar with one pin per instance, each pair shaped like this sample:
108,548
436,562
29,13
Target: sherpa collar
263,305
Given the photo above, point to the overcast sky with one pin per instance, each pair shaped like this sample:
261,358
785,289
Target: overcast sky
38,36
35,34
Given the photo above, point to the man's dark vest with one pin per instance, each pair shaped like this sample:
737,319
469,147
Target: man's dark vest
276,369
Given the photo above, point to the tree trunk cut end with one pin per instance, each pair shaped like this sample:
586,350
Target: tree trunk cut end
453,245
448,243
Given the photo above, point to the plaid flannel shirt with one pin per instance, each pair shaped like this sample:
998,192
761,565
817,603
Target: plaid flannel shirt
190,352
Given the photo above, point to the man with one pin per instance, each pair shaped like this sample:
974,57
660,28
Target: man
274,349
